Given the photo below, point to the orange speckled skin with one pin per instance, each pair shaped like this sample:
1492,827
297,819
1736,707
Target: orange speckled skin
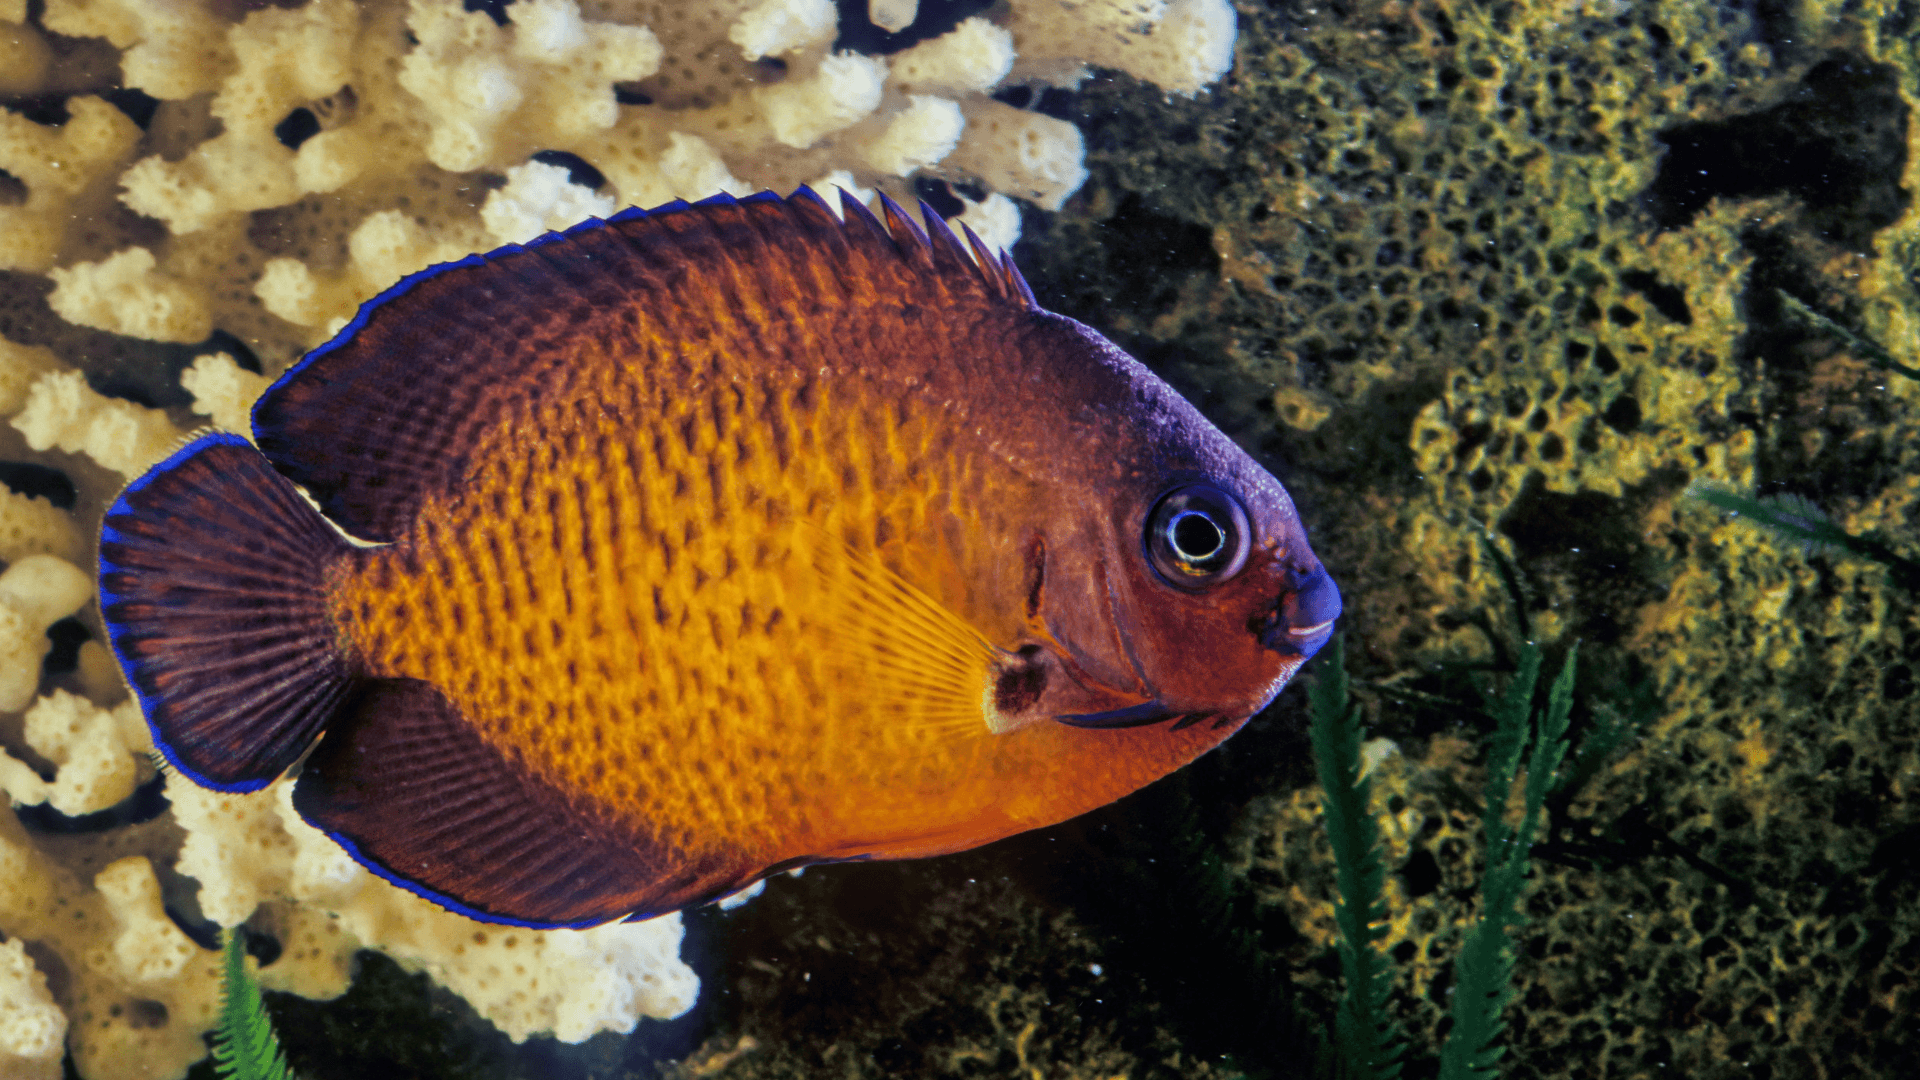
649,586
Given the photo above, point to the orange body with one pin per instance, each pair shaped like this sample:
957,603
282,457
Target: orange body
705,543
646,595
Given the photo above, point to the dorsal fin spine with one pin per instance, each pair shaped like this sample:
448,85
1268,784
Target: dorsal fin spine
984,263
804,197
949,257
1016,284
852,210
909,236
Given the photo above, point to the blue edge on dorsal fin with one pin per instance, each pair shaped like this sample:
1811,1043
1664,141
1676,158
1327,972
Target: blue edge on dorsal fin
1000,271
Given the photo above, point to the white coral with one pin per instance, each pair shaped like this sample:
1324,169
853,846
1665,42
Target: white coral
223,391
62,412
1178,45
971,58
35,593
490,91
1023,153
123,294
917,137
33,1030
250,850
838,94
777,27
99,754
57,166
539,198
173,50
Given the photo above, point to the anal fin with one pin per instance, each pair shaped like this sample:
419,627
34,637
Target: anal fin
411,790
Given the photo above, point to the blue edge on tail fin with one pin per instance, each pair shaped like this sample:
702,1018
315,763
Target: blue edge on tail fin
149,707
108,598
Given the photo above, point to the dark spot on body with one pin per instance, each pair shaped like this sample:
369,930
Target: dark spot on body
1021,683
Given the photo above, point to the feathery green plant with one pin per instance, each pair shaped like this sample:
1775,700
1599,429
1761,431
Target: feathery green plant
1797,521
1870,350
247,1048
1367,1042
1484,968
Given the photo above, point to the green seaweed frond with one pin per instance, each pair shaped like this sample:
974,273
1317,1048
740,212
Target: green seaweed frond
1798,521
1612,726
1369,1045
1870,350
1484,968
247,1048
1510,580
1789,517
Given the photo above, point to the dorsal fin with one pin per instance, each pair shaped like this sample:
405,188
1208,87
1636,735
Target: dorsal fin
948,256
912,241
387,413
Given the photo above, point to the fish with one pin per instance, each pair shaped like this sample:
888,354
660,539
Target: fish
605,575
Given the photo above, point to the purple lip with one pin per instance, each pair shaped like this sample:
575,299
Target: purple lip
1306,617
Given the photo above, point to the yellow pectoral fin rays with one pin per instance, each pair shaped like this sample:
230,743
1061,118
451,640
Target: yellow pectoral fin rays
908,655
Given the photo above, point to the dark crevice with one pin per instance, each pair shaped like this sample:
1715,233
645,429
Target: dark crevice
1591,545
67,635
495,9
147,802
1668,300
932,19
1046,100
138,105
1838,144
299,126
35,480
937,194
579,171
48,110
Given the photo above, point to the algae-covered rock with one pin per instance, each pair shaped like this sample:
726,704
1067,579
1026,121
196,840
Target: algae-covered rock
1511,272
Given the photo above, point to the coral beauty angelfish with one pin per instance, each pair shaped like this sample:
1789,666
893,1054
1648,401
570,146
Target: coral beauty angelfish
681,547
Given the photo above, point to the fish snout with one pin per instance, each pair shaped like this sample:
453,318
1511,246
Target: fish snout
1304,621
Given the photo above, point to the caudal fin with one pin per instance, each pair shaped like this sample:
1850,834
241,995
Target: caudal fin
212,586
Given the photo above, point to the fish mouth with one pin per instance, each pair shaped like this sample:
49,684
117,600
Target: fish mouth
1148,712
1304,620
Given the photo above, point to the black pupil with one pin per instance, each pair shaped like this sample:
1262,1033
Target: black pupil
1196,538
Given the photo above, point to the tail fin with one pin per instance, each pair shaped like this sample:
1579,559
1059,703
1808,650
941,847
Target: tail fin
213,573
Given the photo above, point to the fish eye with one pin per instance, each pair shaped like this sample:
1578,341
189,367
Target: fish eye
1198,536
